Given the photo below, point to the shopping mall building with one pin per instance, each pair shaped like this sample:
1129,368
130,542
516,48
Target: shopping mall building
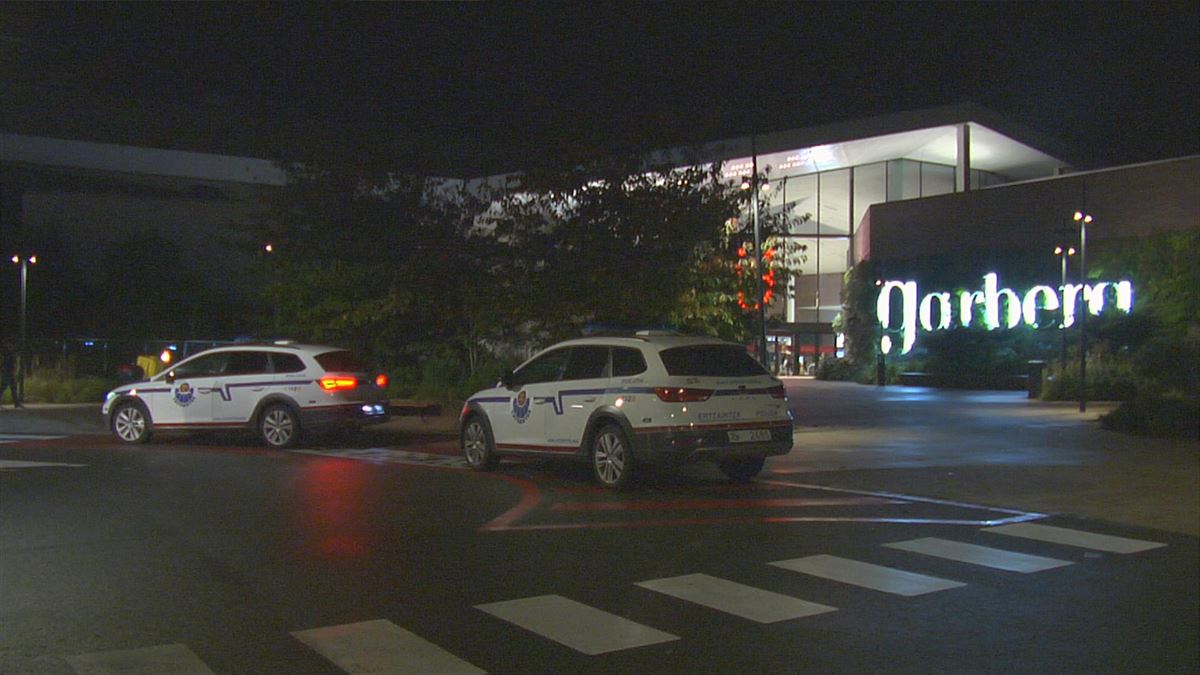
902,186
933,183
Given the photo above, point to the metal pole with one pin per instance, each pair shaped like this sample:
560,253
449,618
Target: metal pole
1083,314
1064,309
762,309
24,337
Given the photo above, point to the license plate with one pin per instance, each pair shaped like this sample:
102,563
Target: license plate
749,435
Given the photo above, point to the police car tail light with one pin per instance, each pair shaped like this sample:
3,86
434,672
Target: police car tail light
682,394
381,381
777,391
338,382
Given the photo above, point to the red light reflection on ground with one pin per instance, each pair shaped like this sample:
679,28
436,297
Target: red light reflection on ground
332,518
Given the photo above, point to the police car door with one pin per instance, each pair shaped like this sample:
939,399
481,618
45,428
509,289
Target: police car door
240,386
521,424
580,390
188,400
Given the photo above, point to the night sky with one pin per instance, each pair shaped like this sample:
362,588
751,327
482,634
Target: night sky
468,89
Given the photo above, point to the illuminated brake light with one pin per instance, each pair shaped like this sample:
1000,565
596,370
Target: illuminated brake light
777,391
381,381
682,394
338,382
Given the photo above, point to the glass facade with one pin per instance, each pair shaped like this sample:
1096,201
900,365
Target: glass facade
836,202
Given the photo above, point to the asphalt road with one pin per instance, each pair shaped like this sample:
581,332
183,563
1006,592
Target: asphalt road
909,531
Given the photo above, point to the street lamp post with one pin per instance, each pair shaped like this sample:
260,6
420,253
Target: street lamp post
1083,219
24,260
1064,253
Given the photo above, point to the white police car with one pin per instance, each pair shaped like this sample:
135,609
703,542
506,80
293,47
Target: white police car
620,402
274,389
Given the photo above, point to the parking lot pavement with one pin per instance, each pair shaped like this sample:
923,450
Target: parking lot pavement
994,449
420,425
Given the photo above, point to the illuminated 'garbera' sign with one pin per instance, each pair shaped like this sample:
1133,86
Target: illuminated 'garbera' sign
938,311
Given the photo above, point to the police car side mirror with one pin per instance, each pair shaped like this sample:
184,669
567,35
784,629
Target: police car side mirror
506,380
170,377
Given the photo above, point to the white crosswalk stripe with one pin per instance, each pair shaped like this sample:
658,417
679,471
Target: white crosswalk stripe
382,647
176,659
866,575
582,628
730,597
1077,538
974,554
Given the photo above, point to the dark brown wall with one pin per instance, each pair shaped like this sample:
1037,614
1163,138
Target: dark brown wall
1137,200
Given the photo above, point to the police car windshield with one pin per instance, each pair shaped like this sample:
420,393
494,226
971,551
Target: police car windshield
710,361
341,361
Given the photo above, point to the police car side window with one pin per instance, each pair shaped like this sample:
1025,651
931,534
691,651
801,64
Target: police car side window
286,363
586,363
203,366
546,368
627,362
246,363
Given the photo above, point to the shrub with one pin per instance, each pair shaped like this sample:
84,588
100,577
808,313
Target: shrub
50,386
1111,378
837,369
1156,414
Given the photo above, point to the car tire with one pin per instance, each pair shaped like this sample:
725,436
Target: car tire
131,423
742,470
612,458
279,426
478,445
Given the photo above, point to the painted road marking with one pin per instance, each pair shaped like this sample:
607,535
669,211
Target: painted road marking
582,628
723,504
876,577
389,456
17,438
1078,538
13,464
979,555
381,647
176,659
730,597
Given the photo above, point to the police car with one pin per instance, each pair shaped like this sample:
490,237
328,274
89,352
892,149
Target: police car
277,390
620,402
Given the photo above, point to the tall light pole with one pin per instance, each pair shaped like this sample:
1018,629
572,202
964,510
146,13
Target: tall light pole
1064,253
24,260
1083,219
268,250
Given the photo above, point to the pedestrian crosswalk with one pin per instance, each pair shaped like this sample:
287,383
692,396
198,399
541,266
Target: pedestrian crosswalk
974,554
380,646
867,575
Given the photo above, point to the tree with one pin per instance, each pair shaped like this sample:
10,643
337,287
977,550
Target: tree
365,258
617,244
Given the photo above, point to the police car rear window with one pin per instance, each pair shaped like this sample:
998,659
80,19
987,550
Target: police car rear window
710,361
341,361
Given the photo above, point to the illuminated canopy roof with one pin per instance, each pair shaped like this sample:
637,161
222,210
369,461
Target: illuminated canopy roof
931,135
35,151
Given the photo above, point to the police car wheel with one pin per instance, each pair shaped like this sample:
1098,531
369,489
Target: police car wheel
130,423
279,427
742,470
478,446
612,461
